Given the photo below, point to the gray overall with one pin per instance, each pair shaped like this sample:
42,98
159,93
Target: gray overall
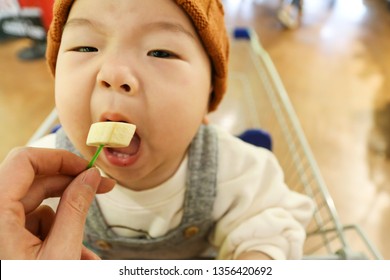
189,239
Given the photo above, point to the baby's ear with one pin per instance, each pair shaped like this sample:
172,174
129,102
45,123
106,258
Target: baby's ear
211,88
211,95
205,120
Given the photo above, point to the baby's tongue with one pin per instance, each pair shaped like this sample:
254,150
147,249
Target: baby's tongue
132,149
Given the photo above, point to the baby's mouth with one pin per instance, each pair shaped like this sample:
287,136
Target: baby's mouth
124,156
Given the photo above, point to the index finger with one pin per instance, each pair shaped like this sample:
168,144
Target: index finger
22,165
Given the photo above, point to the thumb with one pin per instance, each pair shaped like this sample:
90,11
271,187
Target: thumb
87,254
66,236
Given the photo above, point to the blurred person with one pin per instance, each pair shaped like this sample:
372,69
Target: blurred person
26,19
290,13
8,9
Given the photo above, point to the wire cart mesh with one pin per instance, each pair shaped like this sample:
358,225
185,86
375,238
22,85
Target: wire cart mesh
256,98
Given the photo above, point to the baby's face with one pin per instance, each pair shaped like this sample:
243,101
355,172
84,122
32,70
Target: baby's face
139,62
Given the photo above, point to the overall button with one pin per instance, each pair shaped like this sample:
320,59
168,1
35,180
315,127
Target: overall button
191,231
103,245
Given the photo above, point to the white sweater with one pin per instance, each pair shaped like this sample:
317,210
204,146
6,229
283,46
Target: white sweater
253,210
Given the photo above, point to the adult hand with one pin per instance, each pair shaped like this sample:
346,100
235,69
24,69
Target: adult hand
30,231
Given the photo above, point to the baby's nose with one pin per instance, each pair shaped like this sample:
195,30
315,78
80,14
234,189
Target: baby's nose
123,87
117,77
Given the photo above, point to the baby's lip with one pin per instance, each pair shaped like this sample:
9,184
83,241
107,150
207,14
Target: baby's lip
114,117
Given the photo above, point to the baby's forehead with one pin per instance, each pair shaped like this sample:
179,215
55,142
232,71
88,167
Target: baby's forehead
164,15
124,9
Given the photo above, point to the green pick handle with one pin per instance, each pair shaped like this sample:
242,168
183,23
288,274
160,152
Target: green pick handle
94,158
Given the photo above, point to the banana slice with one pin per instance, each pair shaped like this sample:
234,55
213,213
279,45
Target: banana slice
110,134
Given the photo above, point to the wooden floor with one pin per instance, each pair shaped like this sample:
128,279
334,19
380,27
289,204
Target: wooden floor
334,68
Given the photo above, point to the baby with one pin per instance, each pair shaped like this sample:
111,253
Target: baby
183,187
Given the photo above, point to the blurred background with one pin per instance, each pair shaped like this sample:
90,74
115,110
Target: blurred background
333,60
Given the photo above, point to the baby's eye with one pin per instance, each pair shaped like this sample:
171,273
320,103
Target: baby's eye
85,49
161,54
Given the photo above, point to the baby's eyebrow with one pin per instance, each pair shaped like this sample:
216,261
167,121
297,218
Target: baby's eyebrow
158,25
82,22
170,26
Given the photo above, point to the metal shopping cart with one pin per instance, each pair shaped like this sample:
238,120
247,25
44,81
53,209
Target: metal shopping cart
257,99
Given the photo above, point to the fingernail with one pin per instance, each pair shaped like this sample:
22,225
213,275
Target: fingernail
89,175
107,182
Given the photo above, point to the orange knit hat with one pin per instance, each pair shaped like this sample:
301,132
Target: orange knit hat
208,19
